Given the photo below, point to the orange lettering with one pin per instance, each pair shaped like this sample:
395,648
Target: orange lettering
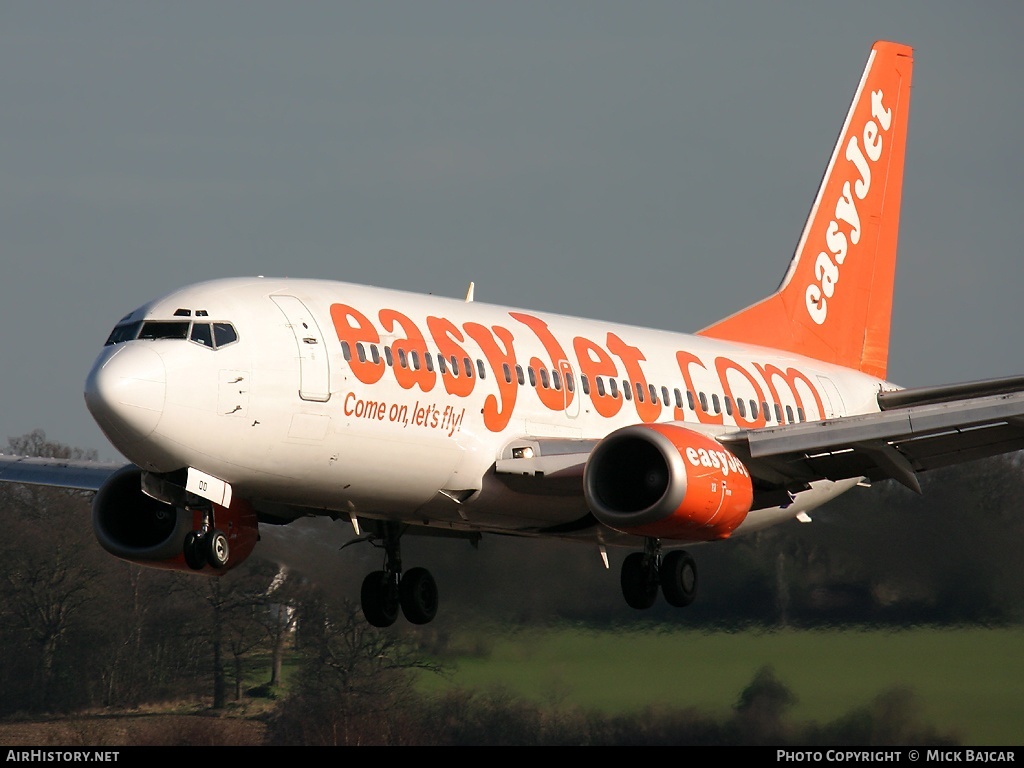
631,356
497,415
353,327
685,360
553,399
724,365
595,362
414,371
445,334
790,377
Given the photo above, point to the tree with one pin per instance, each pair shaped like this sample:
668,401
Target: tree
50,561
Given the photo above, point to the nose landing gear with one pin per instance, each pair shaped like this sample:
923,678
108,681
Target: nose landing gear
206,546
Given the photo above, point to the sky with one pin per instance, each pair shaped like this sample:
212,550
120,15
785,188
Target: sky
649,163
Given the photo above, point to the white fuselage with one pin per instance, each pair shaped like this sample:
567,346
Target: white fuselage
298,415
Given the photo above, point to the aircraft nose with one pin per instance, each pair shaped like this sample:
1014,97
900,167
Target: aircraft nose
125,392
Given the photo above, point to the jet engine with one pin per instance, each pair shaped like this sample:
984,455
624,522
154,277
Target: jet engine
667,481
140,529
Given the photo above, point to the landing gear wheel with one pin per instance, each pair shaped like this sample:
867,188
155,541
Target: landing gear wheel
639,586
379,599
193,551
679,578
417,592
217,550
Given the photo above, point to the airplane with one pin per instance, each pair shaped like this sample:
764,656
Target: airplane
257,401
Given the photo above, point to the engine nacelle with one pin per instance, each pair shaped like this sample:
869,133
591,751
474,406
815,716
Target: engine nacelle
138,528
667,481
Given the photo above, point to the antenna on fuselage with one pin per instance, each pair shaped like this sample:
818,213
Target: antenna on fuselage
469,291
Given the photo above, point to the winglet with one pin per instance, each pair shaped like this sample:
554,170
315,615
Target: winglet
835,302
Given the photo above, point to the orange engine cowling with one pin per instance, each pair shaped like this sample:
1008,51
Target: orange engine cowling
667,481
138,528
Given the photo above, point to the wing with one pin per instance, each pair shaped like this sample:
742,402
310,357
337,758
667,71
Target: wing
915,430
60,473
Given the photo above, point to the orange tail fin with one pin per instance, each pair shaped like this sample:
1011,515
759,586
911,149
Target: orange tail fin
835,302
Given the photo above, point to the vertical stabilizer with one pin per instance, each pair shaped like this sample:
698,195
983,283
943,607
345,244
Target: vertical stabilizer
835,302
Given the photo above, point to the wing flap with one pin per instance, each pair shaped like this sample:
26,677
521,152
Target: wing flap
896,443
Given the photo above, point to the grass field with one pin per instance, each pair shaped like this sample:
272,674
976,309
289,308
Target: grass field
969,682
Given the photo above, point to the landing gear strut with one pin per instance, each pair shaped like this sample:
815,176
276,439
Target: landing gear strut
384,592
643,572
206,546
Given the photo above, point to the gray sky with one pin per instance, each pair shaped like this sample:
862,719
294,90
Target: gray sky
646,162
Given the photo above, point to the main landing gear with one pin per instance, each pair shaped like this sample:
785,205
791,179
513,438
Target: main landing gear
207,546
643,572
384,592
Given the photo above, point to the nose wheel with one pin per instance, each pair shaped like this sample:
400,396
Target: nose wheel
206,546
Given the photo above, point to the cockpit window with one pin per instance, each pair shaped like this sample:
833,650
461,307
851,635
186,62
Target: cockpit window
164,329
121,333
201,334
224,334
212,335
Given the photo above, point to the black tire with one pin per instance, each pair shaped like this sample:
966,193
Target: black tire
679,578
417,592
379,599
639,586
195,556
217,550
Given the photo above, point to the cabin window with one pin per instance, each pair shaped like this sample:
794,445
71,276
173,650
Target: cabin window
639,392
442,367
728,405
544,378
429,360
585,383
613,387
778,413
715,402
556,381
703,402
507,371
789,414
678,398
800,414
600,386
627,391
741,407
468,367
414,359
753,409
533,376
689,400
664,395
389,357
569,383
480,368
402,359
